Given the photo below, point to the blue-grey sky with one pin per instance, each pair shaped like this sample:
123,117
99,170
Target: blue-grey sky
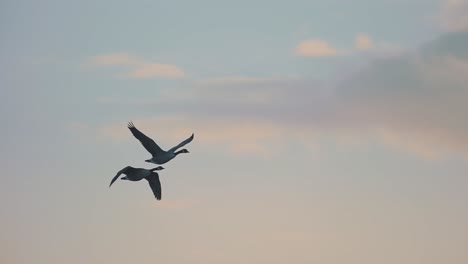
329,132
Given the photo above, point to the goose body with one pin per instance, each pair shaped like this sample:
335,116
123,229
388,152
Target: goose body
137,174
159,156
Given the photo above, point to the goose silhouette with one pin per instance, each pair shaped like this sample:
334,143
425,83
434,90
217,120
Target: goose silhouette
159,156
137,174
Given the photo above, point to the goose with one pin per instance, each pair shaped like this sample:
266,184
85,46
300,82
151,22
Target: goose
137,174
159,156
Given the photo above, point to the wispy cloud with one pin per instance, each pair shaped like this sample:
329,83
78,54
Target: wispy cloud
139,68
238,137
115,59
245,80
154,70
413,101
363,42
315,48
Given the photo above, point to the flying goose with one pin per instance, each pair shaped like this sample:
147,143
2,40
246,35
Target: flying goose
159,156
137,174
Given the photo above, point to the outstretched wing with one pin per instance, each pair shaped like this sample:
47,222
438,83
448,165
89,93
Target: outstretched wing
181,144
118,174
155,185
147,142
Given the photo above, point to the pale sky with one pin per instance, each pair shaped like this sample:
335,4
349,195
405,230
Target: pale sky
328,132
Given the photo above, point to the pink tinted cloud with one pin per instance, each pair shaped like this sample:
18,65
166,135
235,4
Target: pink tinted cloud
154,70
139,68
240,137
413,101
363,42
315,48
115,59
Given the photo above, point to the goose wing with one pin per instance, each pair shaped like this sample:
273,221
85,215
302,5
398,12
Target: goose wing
147,142
155,185
118,174
183,143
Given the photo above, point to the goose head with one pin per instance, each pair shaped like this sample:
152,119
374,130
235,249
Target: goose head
182,151
157,168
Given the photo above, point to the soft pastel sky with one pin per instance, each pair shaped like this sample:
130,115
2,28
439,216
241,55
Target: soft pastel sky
328,132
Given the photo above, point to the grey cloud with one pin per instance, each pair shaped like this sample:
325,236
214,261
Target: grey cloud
415,100
453,44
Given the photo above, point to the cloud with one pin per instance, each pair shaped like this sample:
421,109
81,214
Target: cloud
115,59
152,70
235,80
454,15
363,42
315,48
139,68
238,137
414,101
